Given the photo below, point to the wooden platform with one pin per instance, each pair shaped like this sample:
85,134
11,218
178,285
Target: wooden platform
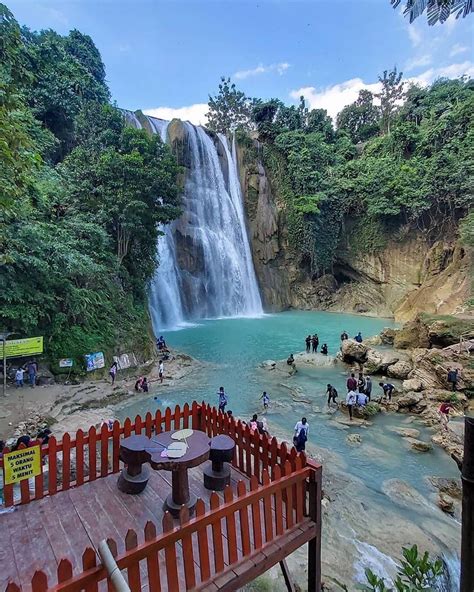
38,535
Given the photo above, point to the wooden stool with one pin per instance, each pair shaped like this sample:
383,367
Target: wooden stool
134,476
217,474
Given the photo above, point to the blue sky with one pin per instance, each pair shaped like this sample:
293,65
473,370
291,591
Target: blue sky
167,56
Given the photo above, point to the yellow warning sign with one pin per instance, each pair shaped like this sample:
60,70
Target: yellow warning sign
22,464
22,347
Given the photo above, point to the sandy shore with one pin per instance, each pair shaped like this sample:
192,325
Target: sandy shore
70,407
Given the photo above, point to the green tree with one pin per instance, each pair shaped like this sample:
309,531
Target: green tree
390,97
360,119
438,10
229,110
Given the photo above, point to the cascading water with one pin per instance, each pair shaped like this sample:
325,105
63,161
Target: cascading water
205,263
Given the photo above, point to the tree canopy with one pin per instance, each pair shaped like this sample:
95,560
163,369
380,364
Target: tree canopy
437,10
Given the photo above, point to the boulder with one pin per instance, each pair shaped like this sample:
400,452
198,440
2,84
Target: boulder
442,395
268,364
447,330
387,335
409,399
377,362
413,334
400,369
446,503
352,351
419,445
412,384
405,432
354,439
451,487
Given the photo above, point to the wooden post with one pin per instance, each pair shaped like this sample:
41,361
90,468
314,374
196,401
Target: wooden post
314,545
467,542
290,585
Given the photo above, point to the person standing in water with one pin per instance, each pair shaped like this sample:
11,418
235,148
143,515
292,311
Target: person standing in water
351,382
332,395
361,383
222,399
324,349
350,402
266,400
308,344
387,389
368,387
113,372
315,342
301,434
161,371
344,336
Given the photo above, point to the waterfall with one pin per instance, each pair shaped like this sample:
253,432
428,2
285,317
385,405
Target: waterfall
205,262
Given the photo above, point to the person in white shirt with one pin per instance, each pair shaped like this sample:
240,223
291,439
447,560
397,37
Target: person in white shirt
161,371
19,377
351,401
301,434
362,399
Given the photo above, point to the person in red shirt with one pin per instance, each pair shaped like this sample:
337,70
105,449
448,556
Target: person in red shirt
443,411
352,383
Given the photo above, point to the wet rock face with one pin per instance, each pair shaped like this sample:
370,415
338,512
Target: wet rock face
409,400
352,351
412,335
400,370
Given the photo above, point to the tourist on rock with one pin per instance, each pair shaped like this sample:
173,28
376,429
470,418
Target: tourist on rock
222,399
387,389
358,337
145,385
324,349
332,395
301,434
344,336
361,383
443,411
452,378
350,402
315,342
351,383
32,369
161,343
43,436
361,399
266,400
291,362
368,386
113,372
19,374
308,344
161,371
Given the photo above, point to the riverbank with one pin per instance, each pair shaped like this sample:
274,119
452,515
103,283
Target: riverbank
68,407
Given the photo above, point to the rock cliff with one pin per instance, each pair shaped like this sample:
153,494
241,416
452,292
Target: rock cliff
411,274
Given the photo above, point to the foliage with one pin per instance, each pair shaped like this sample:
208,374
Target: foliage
438,10
467,230
416,573
390,95
81,198
360,119
229,110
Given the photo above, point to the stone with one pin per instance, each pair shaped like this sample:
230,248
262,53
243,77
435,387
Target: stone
268,364
405,432
446,504
378,362
409,399
419,445
400,370
442,395
412,384
387,335
352,351
413,334
354,439
451,487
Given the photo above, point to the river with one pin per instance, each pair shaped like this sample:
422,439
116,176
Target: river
380,498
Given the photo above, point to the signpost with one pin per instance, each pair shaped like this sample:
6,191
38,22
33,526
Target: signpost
94,361
21,347
22,464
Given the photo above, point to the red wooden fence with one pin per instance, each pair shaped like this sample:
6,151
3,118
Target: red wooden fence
233,541
71,462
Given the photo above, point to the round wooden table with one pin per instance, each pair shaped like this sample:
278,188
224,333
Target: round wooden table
198,451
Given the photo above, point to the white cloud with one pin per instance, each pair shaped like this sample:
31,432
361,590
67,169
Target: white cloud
416,36
417,62
194,113
281,68
334,98
458,48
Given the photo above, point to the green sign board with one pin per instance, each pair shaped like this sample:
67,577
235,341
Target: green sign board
22,347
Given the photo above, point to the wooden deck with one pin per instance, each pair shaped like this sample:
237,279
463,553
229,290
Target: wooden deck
37,536
50,538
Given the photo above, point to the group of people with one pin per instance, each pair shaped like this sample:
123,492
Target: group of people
312,343
31,369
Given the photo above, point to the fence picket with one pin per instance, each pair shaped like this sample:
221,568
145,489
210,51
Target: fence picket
177,417
188,556
278,502
158,421
104,450
127,427
116,447
79,457
256,516
64,571
231,528
92,449
148,424
217,536
89,561
52,466
186,414
66,473
167,419
138,425
203,544
133,571
288,498
244,521
170,554
153,565
39,582
267,509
